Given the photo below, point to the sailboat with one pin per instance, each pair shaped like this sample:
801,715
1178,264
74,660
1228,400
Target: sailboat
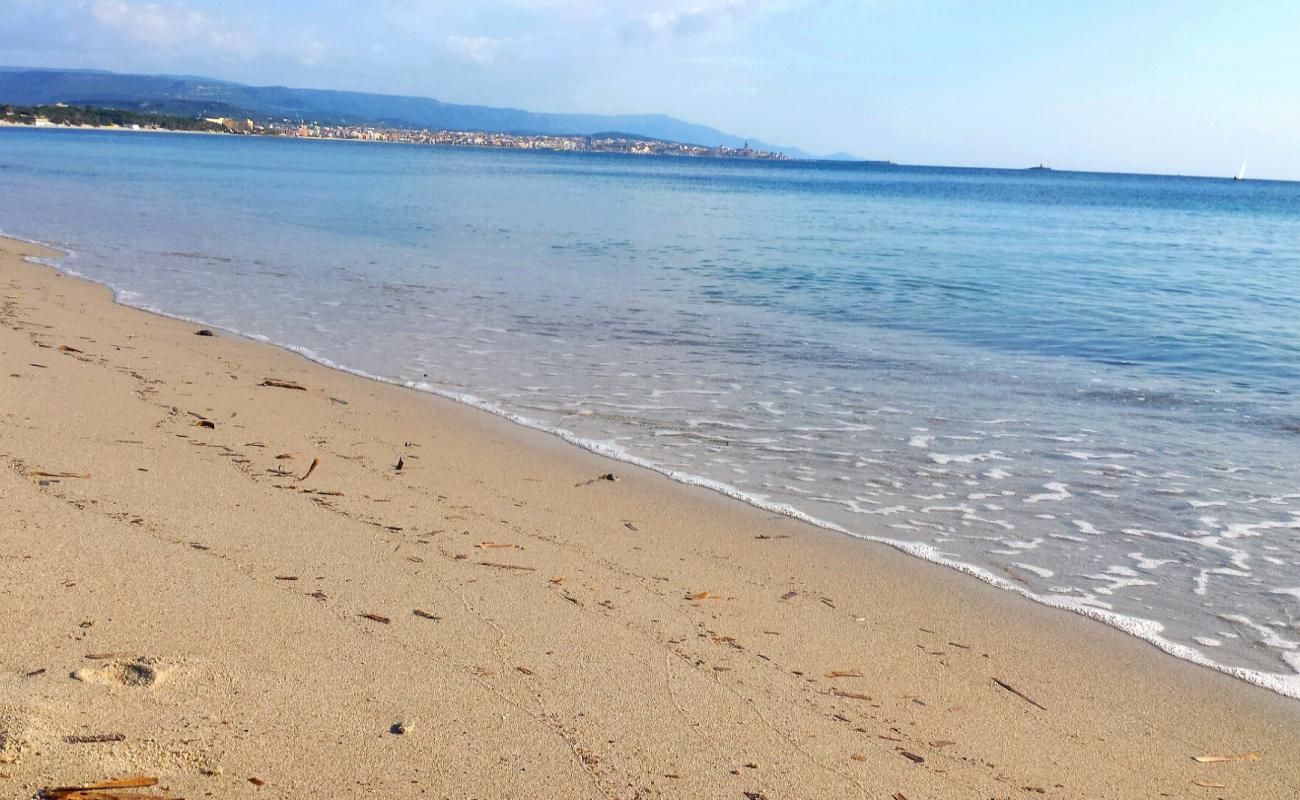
1241,173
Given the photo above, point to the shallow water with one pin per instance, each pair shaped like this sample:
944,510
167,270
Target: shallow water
1082,387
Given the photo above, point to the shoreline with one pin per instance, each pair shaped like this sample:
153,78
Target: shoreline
1107,715
1148,631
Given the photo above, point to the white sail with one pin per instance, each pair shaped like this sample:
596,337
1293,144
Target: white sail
1241,173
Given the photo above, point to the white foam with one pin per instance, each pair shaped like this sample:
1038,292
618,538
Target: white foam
970,458
1055,492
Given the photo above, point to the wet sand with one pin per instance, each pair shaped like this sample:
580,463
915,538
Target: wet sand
495,619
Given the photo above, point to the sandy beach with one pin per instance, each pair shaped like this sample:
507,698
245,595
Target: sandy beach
214,572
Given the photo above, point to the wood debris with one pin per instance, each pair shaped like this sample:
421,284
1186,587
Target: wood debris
34,673
699,596
910,756
850,695
283,456
1210,784
506,566
1221,759
376,618
39,473
401,462
63,348
279,384
96,791
844,674
314,463
206,423
858,757
426,615
495,545
1031,701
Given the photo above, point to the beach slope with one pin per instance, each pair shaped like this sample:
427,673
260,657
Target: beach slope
213,571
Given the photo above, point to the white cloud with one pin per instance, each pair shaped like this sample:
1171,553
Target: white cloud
476,49
667,21
171,26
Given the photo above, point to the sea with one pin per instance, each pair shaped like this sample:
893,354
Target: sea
1083,388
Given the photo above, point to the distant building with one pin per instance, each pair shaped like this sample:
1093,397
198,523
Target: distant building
233,125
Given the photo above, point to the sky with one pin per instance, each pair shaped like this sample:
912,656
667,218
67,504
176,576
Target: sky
1185,87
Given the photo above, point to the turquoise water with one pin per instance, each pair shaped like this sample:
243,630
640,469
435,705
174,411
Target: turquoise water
1084,388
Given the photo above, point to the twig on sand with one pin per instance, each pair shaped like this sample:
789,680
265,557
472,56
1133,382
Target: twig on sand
40,473
506,566
279,384
90,790
1031,701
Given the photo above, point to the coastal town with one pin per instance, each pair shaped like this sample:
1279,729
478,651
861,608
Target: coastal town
613,142
598,143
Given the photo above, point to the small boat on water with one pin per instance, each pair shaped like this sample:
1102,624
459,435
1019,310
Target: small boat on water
1241,173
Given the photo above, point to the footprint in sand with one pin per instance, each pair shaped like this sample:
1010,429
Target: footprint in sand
140,672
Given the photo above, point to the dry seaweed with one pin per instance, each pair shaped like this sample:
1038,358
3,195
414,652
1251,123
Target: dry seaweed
310,469
1221,759
95,738
279,384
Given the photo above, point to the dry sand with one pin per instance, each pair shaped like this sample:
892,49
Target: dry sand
538,634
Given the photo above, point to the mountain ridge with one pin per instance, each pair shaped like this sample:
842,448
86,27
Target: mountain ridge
197,95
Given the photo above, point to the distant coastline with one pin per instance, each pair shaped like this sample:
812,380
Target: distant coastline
98,118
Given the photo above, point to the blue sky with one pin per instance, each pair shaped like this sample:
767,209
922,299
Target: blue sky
1181,87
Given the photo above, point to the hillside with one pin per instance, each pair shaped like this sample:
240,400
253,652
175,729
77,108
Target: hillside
197,96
